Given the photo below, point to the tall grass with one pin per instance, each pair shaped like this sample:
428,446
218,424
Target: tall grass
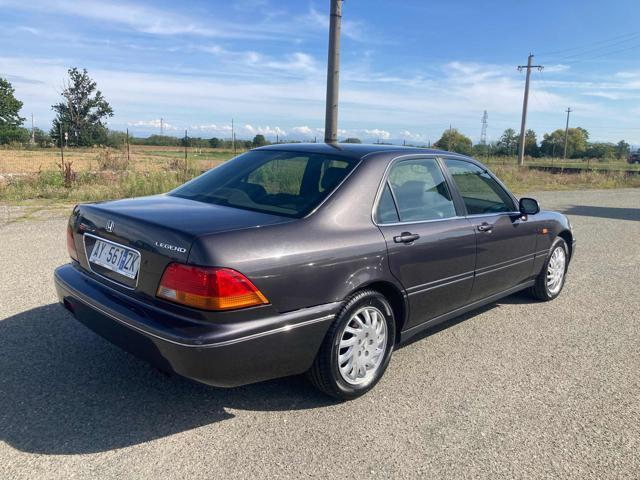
97,186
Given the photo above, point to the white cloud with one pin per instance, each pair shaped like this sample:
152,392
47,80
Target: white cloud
146,19
266,131
377,133
454,93
556,68
155,123
414,137
212,127
304,130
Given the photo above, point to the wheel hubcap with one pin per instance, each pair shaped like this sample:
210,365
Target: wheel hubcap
362,345
556,269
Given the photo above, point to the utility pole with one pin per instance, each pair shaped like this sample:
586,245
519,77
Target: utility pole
333,74
483,132
161,126
233,137
449,142
566,135
525,104
33,132
128,152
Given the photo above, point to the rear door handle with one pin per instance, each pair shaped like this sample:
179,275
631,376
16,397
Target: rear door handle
406,237
485,227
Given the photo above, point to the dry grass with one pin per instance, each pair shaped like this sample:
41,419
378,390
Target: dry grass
140,158
521,180
91,184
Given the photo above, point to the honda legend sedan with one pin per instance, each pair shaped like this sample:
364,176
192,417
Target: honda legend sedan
306,258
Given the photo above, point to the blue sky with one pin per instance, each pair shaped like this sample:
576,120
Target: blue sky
409,69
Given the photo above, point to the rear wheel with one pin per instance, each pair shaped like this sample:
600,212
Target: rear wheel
551,279
357,348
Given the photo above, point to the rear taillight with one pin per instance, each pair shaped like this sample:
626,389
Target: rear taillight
71,244
208,288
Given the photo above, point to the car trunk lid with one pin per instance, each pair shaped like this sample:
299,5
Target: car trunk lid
160,228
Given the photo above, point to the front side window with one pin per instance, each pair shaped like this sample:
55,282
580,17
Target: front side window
283,183
420,191
480,192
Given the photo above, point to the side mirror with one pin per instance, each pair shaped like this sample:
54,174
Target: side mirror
529,206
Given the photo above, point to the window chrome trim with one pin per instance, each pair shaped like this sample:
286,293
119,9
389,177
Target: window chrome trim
480,215
415,222
86,255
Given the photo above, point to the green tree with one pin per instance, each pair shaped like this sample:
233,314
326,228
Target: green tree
116,139
10,119
159,140
215,142
623,149
601,150
42,138
454,141
351,140
258,141
577,143
531,144
83,112
508,143
480,149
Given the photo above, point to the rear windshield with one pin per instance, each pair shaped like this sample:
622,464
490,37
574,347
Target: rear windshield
283,183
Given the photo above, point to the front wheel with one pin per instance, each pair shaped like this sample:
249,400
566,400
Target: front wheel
551,279
357,348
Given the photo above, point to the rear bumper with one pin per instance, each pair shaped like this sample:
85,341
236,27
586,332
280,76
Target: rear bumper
223,355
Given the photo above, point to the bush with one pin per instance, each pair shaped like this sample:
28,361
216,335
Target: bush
111,159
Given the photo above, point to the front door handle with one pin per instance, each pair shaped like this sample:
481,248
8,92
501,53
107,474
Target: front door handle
485,227
406,237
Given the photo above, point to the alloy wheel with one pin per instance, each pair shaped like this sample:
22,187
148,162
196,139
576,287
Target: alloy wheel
362,345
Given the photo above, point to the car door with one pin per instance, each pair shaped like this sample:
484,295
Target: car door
431,247
505,239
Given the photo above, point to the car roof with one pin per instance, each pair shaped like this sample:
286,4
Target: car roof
352,150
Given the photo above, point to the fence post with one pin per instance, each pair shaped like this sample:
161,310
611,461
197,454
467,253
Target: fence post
61,148
185,154
128,153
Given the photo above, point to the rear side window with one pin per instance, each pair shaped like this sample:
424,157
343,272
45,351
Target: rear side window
283,183
420,191
387,212
480,192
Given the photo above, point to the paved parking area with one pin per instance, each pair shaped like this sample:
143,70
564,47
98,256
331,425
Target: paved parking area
516,390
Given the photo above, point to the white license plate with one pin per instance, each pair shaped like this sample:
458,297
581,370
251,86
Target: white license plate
116,258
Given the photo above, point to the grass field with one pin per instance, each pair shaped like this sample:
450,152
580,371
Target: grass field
99,174
140,158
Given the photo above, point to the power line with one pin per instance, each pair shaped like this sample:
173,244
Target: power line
589,44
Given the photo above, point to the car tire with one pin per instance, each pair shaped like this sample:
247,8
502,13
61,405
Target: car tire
551,279
368,314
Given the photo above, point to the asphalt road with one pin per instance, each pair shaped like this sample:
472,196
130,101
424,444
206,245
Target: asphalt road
516,390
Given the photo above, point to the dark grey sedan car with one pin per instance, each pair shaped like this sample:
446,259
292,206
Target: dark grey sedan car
306,258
